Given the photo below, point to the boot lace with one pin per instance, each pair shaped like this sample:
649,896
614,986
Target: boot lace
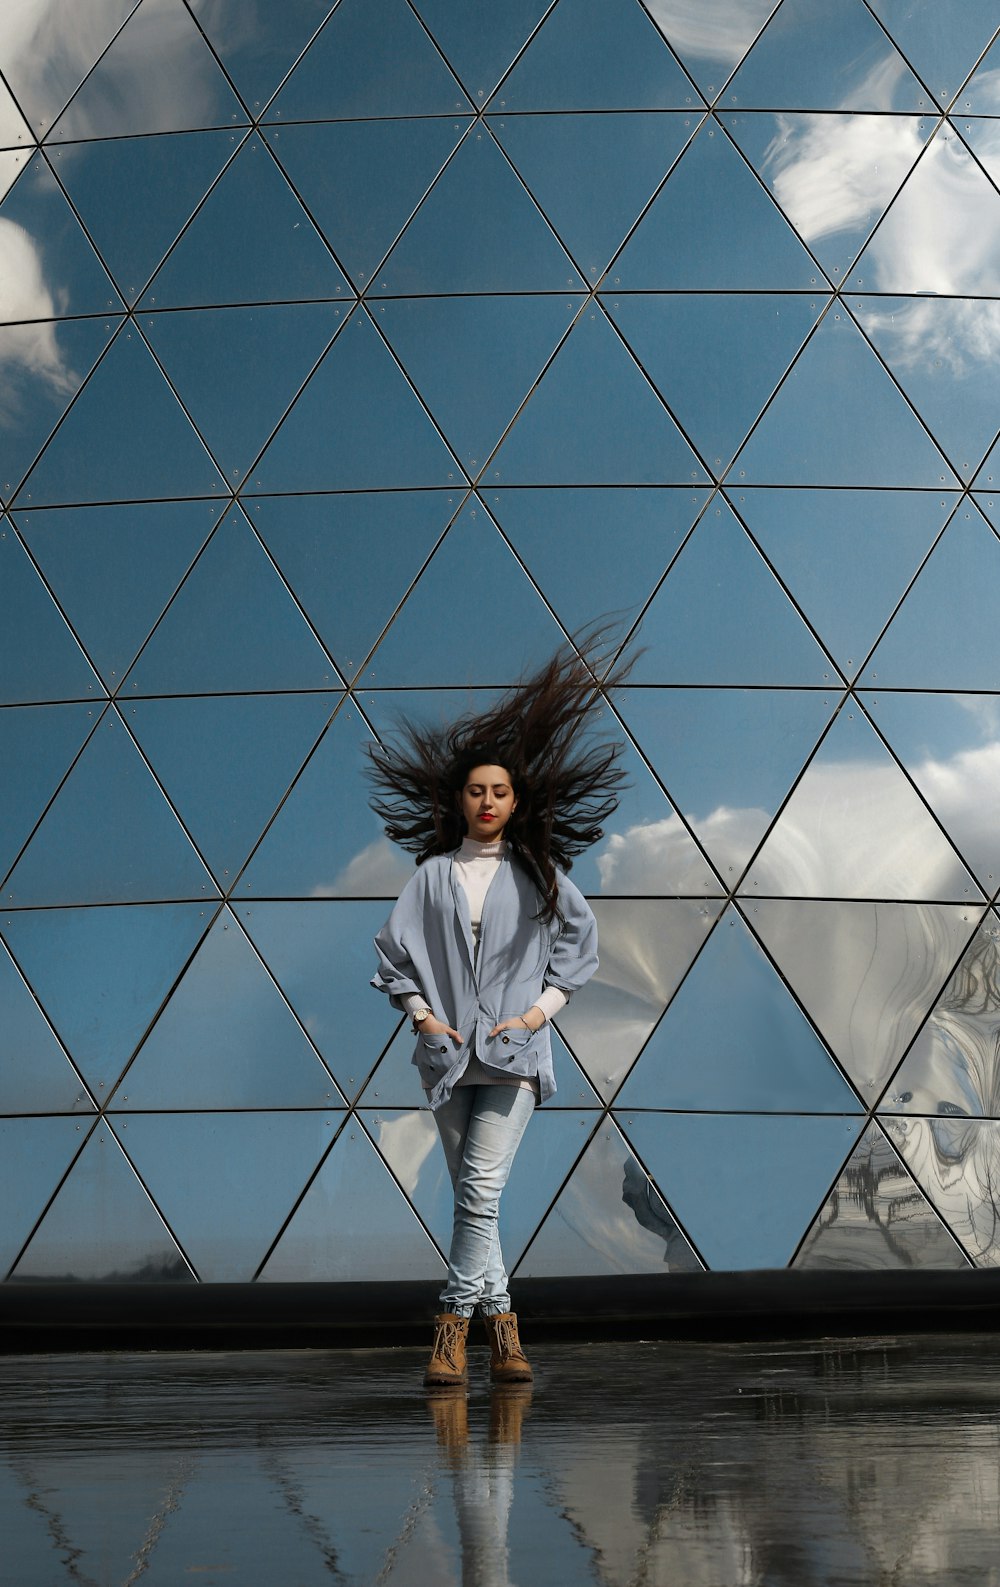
447,1341
508,1343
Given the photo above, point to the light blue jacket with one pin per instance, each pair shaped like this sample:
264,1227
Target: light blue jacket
426,947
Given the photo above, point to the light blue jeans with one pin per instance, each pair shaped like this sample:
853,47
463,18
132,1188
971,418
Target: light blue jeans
481,1129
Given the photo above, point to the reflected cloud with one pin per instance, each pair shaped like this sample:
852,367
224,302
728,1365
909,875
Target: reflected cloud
29,347
720,31
379,871
830,172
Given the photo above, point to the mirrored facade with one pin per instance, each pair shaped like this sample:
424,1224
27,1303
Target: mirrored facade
352,356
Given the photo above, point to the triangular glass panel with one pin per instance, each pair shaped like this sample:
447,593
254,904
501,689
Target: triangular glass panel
708,1168
159,75
325,842
226,797
618,161
845,556
733,350
875,1217
952,1071
480,44
825,58
257,56
12,162
109,835
955,1160
226,1039
684,244
865,973
39,657
255,639
511,247
609,1219
647,946
940,351
622,435
114,569
328,440
981,94
944,41
248,1168
950,745
102,1227
721,616
43,85
44,364
712,37
135,194
276,345
855,828
14,130
34,1155
126,395
833,201
989,472
875,439
409,1142
323,545
56,271
216,260
935,641
394,1082
445,343
103,974
320,953
419,649
353,1224
597,55
751,1051
38,744
372,58
35,1076
728,799
362,180
562,537
958,254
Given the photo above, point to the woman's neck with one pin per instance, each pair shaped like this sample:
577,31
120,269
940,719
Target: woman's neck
473,850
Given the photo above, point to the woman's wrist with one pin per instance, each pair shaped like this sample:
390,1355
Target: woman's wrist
535,1023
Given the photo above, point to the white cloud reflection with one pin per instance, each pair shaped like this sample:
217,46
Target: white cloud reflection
29,348
714,30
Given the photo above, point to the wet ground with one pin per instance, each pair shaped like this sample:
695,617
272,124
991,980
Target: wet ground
872,1461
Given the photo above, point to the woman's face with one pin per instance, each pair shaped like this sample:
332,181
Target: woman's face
487,802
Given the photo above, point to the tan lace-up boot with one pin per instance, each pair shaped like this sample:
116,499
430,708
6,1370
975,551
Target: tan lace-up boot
508,1362
446,1367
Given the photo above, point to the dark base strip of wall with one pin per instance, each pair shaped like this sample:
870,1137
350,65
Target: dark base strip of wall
777,1304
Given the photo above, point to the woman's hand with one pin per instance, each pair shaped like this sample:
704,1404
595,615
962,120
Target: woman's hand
431,1026
533,1020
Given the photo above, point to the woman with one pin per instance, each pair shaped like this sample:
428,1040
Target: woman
486,944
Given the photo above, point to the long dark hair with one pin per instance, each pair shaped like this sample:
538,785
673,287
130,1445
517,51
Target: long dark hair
565,787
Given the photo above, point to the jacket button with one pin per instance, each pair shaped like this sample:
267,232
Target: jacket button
505,1040
442,1049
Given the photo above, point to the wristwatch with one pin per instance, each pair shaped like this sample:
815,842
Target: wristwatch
419,1015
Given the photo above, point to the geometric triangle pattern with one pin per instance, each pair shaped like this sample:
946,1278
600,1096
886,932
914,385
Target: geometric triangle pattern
354,355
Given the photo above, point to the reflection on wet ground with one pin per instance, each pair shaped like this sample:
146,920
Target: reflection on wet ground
712,1465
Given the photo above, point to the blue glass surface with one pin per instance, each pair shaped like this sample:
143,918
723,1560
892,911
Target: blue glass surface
872,439
685,239
395,1082
511,247
102,1228
825,58
108,836
37,747
114,569
102,974
720,616
250,241
371,59
618,160
322,545
329,442
34,1155
734,1040
362,180
846,556
715,357
158,75
596,55
255,639
980,93
935,639
728,756
43,366
712,37
248,1167
53,270
35,1076
709,1168
44,78
39,657
257,57
943,41
226,794
352,1224
164,457
855,828
481,42
621,435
